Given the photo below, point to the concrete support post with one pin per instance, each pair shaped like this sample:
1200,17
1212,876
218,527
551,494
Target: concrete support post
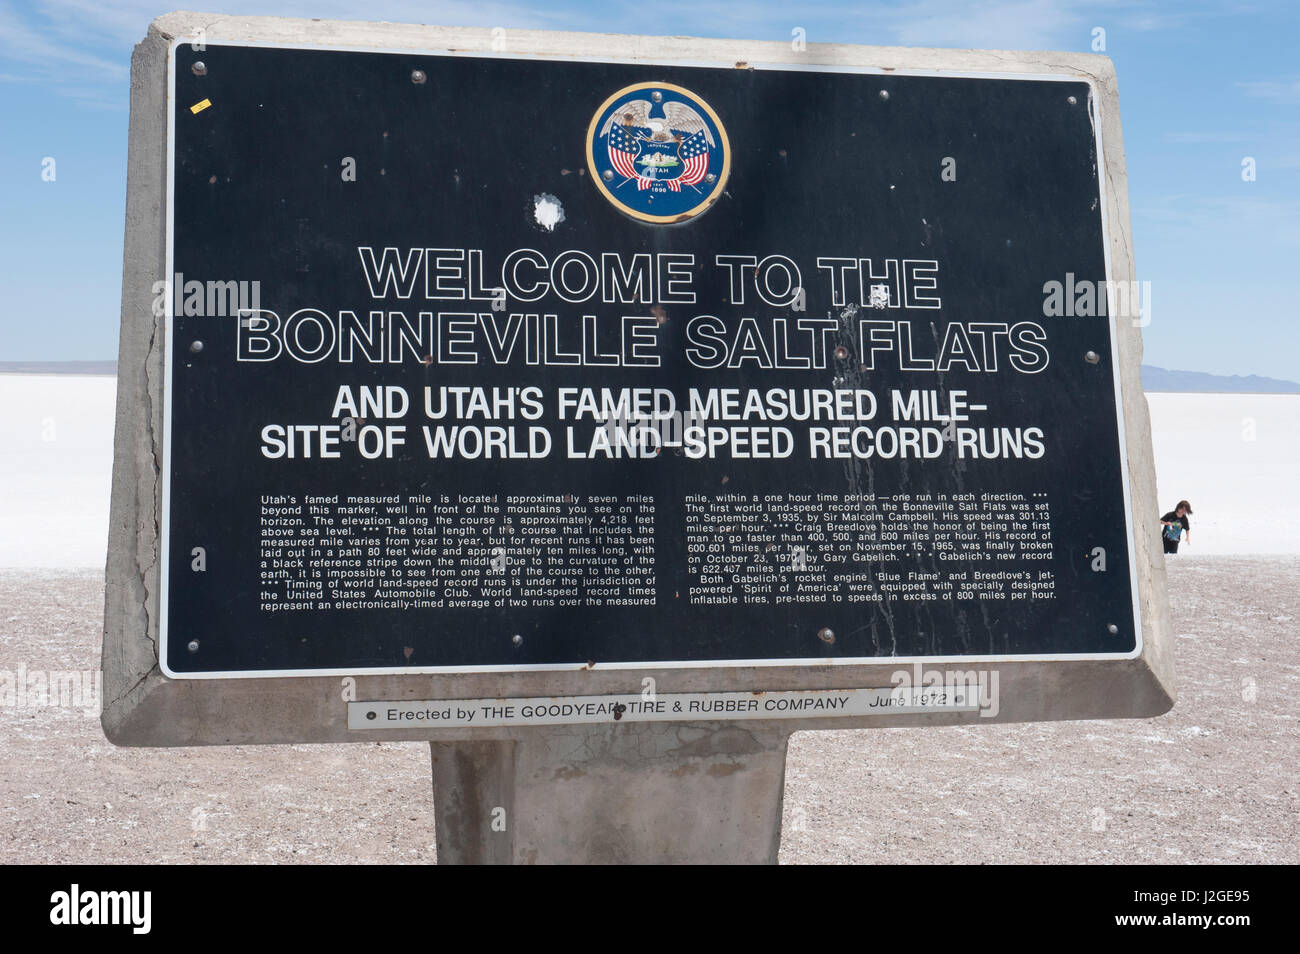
652,793
473,795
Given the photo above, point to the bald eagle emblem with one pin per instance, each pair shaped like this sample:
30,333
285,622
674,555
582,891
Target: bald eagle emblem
658,152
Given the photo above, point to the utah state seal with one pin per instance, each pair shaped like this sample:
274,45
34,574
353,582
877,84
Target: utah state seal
658,152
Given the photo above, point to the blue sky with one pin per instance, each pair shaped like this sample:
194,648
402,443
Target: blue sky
1202,85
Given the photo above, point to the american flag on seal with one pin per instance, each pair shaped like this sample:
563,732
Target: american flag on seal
631,123
695,152
623,147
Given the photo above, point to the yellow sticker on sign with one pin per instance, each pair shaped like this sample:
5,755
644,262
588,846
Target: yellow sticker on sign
200,105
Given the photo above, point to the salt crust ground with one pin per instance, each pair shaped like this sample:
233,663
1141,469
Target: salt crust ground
1212,781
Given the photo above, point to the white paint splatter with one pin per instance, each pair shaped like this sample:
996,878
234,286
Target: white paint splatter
548,211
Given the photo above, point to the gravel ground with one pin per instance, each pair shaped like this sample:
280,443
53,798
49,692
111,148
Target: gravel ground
1215,780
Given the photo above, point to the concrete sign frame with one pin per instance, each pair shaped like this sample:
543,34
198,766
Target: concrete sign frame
143,706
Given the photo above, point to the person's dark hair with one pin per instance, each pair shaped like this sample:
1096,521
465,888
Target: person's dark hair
1185,505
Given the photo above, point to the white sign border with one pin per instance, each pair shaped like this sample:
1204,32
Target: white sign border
1094,107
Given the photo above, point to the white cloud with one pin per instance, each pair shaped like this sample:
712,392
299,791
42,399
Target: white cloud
28,43
1193,138
1284,92
986,24
82,48
1229,218
127,20
997,24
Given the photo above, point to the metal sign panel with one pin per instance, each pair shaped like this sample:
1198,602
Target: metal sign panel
461,375
595,368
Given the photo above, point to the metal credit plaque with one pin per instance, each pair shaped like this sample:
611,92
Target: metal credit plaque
484,362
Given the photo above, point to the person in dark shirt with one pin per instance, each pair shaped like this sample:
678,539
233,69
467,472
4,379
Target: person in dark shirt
1174,524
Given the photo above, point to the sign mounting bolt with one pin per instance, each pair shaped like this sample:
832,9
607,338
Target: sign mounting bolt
193,646
196,346
884,94
1092,357
418,77
200,68
517,639
1112,629
1072,100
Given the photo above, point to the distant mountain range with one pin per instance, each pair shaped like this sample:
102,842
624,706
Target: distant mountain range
1160,379
58,367
1153,378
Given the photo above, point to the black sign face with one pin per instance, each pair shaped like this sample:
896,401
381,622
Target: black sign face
482,362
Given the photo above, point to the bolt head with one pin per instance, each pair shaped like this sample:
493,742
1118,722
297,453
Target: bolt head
657,96
193,646
607,175
1072,100
1092,357
517,639
418,77
196,346
199,68
884,94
